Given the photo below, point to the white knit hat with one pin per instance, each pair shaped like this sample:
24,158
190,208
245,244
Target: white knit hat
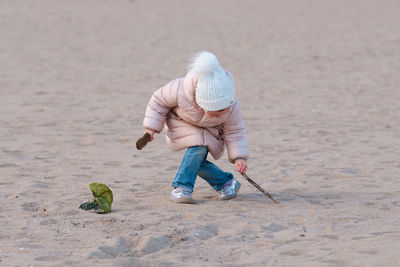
214,89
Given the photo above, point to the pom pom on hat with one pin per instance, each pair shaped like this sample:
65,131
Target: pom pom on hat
203,64
214,89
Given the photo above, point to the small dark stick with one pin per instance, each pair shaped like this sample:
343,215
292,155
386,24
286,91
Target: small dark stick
142,141
260,188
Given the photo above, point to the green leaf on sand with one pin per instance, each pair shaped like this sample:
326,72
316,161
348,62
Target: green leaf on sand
103,198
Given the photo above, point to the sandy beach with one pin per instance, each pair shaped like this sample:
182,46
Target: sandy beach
319,86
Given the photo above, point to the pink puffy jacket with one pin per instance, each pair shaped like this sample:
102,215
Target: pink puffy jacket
186,124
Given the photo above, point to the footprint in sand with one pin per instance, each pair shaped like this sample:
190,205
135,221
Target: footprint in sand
121,248
368,251
333,237
153,244
49,258
274,227
204,233
48,222
7,165
294,252
40,185
31,206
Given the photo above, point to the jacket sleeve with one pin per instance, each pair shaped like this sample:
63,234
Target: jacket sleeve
235,135
160,104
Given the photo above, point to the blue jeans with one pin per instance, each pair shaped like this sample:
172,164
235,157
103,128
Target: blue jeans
195,163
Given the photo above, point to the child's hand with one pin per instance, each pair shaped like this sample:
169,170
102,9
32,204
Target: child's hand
241,166
151,133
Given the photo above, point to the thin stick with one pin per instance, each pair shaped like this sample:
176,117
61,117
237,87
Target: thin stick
142,141
260,188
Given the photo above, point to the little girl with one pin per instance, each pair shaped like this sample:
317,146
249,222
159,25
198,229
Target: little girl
201,114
